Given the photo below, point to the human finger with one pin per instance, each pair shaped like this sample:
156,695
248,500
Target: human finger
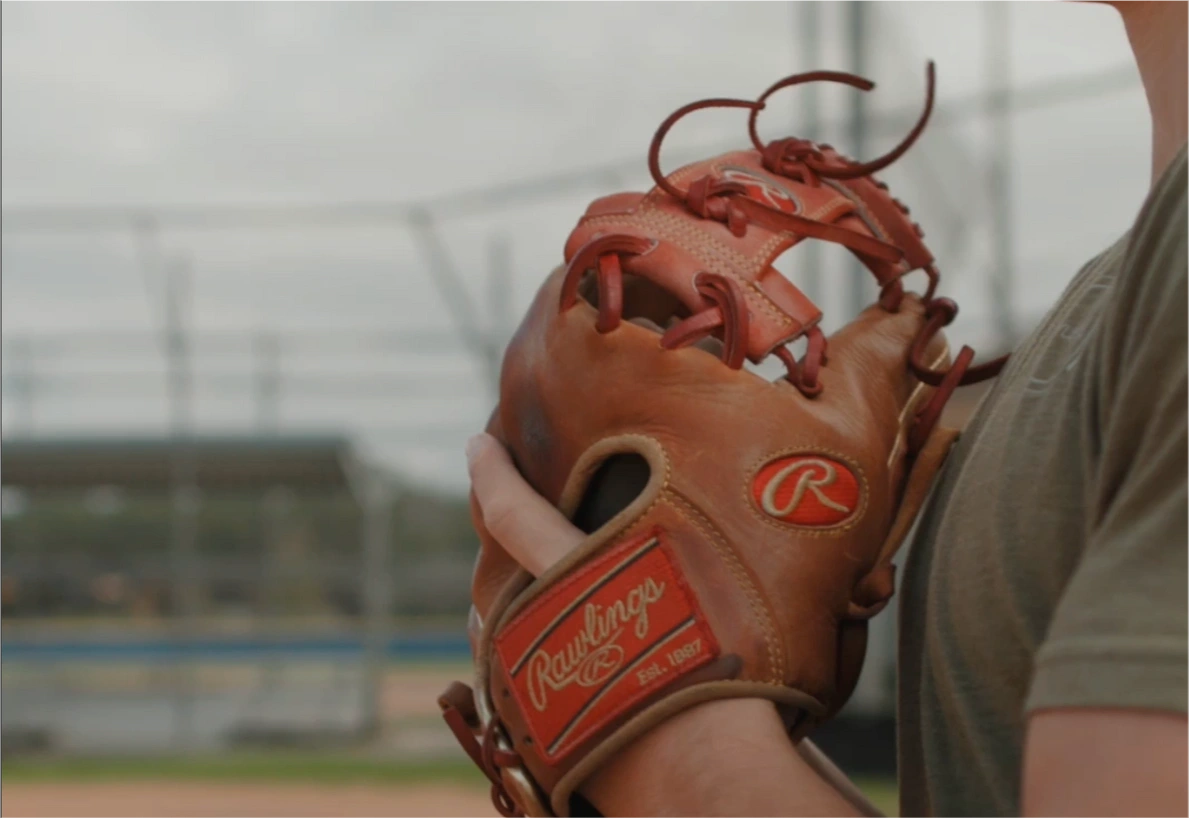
528,527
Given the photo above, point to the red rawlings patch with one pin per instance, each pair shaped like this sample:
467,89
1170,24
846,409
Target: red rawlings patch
807,490
606,636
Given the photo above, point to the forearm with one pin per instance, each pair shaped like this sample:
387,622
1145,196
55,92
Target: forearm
729,757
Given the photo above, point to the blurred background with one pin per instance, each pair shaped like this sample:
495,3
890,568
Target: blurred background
259,264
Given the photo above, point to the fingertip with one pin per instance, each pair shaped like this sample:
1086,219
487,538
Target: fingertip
478,446
474,444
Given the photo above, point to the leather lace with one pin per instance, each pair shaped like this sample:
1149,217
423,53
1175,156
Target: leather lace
724,314
458,709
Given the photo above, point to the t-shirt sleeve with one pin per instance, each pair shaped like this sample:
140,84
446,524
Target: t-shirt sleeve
1118,637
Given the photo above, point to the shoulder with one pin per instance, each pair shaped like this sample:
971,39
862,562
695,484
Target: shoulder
1144,335
1154,266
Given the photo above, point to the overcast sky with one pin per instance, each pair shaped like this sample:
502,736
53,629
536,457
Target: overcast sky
311,103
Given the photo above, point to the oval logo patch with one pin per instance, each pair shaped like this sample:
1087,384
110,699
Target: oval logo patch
807,490
765,191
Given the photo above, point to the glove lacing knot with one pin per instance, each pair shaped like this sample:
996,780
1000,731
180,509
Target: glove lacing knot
458,709
940,312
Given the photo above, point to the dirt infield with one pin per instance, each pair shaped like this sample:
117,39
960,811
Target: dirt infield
197,798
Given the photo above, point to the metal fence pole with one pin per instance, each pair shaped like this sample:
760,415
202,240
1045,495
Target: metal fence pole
379,495
23,385
267,351
810,22
279,502
999,122
185,499
858,135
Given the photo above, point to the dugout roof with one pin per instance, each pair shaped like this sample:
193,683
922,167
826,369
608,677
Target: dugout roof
220,463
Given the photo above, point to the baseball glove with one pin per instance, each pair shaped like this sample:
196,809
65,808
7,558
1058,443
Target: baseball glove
741,529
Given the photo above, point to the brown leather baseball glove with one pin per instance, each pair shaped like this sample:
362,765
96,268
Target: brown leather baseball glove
741,529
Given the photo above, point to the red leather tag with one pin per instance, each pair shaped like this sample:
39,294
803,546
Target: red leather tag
599,641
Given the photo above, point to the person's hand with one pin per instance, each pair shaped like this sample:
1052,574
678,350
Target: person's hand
729,756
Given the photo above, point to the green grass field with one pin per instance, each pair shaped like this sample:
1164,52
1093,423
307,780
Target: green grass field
319,768
273,766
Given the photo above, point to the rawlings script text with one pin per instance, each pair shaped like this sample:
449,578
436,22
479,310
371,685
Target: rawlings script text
593,655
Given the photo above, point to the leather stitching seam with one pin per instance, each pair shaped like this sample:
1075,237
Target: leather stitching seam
735,564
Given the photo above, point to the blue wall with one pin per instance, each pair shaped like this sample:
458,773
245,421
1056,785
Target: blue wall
412,647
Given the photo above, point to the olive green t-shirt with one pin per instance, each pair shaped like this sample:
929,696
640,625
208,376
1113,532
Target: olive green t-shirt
1049,568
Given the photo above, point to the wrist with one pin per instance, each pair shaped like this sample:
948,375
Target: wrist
693,762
